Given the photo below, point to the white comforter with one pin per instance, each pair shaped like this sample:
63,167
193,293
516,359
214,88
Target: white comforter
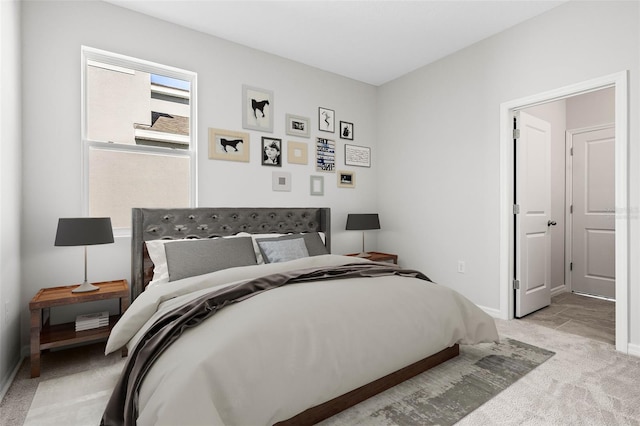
276,354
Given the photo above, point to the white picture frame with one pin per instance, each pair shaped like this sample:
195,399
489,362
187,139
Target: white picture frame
297,125
257,109
316,185
281,181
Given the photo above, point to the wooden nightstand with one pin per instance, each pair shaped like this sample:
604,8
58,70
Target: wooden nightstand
377,256
45,336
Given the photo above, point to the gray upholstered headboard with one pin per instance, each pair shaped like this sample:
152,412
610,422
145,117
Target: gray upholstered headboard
205,222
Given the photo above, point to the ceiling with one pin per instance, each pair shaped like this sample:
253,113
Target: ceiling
369,41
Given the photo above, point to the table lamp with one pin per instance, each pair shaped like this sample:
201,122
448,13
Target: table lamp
362,222
84,231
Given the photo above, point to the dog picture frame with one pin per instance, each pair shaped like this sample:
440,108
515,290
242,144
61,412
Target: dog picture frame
326,120
346,130
257,109
297,125
229,145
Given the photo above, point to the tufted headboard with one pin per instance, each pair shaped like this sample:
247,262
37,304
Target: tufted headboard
206,222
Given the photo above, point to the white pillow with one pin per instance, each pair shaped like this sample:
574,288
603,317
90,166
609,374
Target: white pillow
159,258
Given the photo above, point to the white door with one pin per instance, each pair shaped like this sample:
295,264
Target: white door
533,201
593,217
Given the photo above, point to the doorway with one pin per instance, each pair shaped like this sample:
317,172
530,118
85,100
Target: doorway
619,84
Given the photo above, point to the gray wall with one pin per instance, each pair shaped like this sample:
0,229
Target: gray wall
53,32
11,307
439,140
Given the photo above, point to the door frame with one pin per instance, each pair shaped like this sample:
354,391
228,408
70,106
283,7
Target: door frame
620,82
568,229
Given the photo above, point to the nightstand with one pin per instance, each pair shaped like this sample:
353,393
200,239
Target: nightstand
46,336
377,256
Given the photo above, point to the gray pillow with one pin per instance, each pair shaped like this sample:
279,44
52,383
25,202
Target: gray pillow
275,250
196,257
312,240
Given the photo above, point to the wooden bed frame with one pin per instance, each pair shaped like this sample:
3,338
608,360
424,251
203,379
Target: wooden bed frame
153,224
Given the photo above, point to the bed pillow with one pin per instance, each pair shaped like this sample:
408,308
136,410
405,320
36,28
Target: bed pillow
155,248
197,257
275,250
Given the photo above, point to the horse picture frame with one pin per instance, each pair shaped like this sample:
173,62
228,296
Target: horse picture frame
228,145
257,109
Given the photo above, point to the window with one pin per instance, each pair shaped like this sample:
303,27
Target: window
138,139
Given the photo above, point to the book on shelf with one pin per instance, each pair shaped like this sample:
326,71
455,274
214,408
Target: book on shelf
89,321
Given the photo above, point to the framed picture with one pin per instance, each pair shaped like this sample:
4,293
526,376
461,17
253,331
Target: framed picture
355,155
297,126
326,121
228,145
297,152
346,130
325,155
257,109
316,185
346,179
281,181
271,152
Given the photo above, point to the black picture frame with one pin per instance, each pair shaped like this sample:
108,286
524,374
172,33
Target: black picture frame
346,130
326,120
269,146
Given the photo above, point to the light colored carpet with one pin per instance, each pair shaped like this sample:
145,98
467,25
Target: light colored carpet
443,395
585,383
75,400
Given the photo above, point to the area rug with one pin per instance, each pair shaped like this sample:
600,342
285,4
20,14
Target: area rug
450,391
440,396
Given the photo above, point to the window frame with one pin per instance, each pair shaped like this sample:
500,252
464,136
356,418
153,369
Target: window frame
117,60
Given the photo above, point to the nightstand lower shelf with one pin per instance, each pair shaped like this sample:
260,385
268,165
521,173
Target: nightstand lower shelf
54,336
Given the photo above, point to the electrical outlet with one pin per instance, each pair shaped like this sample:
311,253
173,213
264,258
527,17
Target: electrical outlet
462,267
6,312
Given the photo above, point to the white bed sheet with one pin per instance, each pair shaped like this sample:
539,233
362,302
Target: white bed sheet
276,354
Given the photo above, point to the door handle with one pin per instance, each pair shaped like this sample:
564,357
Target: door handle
551,223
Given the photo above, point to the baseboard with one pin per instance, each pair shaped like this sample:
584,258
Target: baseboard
559,289
633,349
495,313
9,381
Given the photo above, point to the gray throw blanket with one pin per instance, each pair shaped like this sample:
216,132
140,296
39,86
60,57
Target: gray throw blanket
122,408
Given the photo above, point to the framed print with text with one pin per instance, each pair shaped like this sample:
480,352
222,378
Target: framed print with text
355,155
325,155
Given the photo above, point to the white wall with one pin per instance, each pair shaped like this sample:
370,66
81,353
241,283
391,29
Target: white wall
439,139
10,172
53,32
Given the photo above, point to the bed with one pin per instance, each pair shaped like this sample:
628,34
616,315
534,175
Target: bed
304,334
